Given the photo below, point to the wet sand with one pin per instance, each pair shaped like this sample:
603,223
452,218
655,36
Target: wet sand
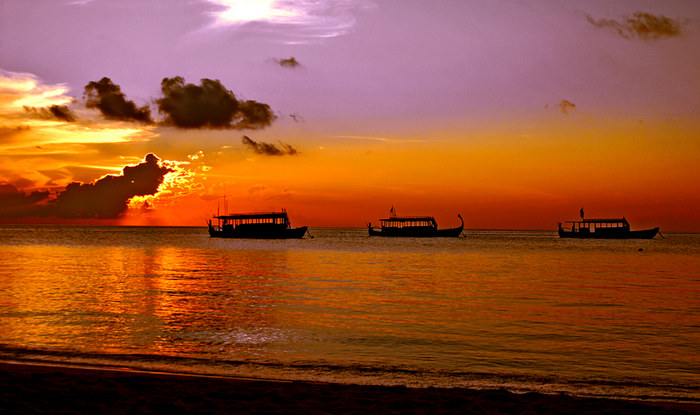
31,389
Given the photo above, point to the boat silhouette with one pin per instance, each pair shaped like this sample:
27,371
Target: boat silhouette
261,225
413,226
603,229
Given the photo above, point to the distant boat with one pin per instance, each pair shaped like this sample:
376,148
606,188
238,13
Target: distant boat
266,225
413,226
604,229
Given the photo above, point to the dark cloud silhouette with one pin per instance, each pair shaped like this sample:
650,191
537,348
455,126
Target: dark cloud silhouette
57,112
254,115
297,118
15,203
566,106
62,112
112,103
209,105
269,149
288,63
107,198
642,25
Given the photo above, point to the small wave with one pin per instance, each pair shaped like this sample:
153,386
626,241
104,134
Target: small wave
364,374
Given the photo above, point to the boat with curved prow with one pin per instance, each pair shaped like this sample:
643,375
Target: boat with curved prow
413,226
262,225
604,229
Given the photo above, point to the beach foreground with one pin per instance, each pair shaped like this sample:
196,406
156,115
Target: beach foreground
29,388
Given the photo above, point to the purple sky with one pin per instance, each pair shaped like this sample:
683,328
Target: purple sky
362,59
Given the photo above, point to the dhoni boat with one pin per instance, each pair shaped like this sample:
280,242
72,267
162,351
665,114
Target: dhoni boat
603,229
413,226
261,225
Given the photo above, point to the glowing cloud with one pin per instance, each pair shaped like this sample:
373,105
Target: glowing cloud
239,12
33,115
107,198
177,183
317,19
19,90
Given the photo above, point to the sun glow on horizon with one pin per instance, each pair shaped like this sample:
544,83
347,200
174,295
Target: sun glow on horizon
156,209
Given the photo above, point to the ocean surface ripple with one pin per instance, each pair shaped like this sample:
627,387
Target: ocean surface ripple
521,310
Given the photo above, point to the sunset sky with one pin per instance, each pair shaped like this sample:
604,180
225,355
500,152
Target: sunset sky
513,113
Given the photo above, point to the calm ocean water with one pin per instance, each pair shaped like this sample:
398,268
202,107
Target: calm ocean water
526,311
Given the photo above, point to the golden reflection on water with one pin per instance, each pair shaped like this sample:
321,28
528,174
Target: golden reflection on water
458,308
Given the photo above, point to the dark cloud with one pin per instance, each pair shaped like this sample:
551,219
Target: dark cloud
297,118
56,112
107,198
642,25
15,203
254,115
269,149
566,106
13,178
62,112
112,103
209,105
288,63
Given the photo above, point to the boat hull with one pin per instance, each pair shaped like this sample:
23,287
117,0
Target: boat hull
242,232
616,234
418,232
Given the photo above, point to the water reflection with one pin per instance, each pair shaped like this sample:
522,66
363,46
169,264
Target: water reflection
500,302
120,299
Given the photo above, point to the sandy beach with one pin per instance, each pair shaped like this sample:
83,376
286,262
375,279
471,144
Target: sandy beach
29,389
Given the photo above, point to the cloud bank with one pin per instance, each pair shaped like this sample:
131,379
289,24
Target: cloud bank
641,25
107,198
184,105
15,203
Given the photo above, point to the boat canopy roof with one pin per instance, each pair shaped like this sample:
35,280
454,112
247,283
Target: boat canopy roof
410,219
622,221
256,215
405,219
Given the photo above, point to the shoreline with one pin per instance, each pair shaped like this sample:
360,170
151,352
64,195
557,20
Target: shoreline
39,388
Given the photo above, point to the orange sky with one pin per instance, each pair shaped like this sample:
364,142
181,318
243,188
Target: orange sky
514,125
